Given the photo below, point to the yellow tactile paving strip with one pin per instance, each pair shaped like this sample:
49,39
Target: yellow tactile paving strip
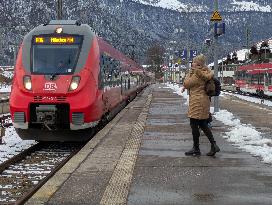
50,187
117,190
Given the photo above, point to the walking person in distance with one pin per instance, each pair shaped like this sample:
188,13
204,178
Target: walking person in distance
199,104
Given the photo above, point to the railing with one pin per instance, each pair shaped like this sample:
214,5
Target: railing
5,118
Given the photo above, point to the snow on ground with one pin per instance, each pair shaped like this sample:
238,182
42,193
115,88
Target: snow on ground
8,74
12,145
251,6
250,99
177,90
175,5
5,88
241,55
244,136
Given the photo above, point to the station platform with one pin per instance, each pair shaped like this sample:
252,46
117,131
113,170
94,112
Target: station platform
138,159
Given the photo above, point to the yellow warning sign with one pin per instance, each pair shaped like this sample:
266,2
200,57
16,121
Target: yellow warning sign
179,61
216,16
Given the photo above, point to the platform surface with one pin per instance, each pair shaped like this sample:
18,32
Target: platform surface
138,159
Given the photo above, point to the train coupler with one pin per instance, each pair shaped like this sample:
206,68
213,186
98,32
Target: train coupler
46,115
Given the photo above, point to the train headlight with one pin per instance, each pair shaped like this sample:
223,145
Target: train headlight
59,30
74,83
27,82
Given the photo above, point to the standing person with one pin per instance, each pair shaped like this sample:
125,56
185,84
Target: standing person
199,104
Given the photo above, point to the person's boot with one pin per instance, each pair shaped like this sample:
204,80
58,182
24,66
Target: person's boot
195,151
214,149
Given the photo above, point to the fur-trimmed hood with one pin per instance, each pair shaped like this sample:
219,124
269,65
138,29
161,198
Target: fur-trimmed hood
204,73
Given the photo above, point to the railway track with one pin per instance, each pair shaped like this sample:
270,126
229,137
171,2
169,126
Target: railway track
22,175
245,94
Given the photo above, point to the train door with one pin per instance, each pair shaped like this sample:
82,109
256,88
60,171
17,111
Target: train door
269,92
125,84
268,83
103,81
112,80
265,81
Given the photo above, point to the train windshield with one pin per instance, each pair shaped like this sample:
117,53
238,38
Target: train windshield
54,59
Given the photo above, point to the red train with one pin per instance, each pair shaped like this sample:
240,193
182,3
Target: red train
255,79
67,78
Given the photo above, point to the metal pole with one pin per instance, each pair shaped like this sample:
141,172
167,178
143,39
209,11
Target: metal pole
1,46
187,39
15,55
216,98
171,73
247,38
179,74
59,9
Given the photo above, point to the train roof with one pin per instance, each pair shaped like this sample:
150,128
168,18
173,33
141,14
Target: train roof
107,48
258,66
68,26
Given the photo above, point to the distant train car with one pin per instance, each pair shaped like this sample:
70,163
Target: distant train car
255,79
67,78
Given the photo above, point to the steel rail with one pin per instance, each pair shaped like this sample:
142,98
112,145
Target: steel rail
30,152
32,191
245,94
19,156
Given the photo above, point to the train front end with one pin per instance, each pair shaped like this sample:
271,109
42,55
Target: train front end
54,86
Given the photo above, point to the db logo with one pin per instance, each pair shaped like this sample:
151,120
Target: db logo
50,86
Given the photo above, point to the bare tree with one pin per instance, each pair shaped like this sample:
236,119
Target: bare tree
155,60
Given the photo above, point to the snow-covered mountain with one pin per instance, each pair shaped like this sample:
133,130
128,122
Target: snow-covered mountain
142,22
206,6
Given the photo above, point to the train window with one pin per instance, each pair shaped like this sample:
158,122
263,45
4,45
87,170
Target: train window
255,79
261,79
266,79
125,82
110,68
104,67
247,77
269,78
101,76
101,61
128,84
51,59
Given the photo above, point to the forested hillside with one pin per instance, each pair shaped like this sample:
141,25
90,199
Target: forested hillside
130,22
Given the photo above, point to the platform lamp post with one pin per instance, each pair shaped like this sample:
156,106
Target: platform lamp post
216,98
132,54
1,41
59,9
265,48
187,39
187,32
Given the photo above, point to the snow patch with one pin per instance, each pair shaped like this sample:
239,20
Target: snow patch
244,136
5,88
174,5
250,99
12,144
250,6
181,7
